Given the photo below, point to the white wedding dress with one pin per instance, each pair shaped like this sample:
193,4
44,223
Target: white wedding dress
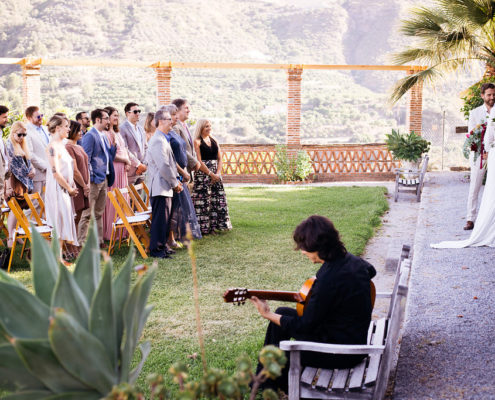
483,233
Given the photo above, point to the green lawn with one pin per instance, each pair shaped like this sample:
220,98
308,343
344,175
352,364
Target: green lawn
257,253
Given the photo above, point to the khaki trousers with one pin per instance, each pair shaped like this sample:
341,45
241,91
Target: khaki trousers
97,200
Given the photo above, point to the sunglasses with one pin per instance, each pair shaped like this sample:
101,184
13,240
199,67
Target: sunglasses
167,119
19,135
136,111
40,116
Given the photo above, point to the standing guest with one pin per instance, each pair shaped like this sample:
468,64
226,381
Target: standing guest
22,171
149,125
135,139
83,118
97,147
209,195
121,164
163,180
60,187
478,116
183,213
37,141
339,310
4,160
81,170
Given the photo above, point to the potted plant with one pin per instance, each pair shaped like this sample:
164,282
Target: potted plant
407,147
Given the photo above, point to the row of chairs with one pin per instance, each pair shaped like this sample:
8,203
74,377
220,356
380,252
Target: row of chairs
132,214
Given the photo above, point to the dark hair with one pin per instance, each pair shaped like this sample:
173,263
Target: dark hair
4,109
74,129
79,115
128,106
486,86
179,103
110,110
98,113
317,233
30,111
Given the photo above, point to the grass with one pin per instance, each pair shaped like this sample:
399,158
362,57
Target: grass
257,253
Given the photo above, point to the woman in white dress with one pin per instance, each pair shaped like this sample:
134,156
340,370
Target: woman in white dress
60,185
483,233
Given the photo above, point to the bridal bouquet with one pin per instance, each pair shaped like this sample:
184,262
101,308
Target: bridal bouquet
474,141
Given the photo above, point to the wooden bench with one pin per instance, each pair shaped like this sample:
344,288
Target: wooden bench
414,183
368,379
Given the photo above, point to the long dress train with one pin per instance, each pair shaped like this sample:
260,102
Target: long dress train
483,233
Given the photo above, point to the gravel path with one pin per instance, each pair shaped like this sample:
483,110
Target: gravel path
448,350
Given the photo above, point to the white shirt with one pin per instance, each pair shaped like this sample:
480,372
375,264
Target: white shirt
477,117
4,154
103,139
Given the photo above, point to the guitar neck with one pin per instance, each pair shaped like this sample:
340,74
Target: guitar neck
274,295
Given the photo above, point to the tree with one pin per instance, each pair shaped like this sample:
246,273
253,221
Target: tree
449,36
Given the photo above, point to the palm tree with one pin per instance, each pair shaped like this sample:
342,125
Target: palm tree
449,36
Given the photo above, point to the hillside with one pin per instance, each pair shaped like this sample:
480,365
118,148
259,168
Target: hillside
245,106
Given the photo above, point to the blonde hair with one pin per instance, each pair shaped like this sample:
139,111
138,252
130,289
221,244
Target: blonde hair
200,125
19,149
56,120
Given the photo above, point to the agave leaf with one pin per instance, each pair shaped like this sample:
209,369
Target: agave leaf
40,360
144,317
13,374
87,271
145,349
5,277
22,314
55,245
93,395
81,353
133,309
102,316
120,292
44,266
29,395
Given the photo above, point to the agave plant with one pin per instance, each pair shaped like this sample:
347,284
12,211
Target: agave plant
76,335
451,35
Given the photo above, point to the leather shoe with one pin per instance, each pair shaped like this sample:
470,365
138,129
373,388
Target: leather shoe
160,255
469,226
168,250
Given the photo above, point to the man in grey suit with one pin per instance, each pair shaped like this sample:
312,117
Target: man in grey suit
37,140
4,160
193,160
135,138
162,177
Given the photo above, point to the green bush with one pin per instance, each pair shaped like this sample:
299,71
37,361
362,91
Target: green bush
473,97
290,169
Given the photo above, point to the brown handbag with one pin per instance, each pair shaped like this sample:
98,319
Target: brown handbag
17,190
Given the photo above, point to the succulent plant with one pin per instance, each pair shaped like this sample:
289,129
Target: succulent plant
76,335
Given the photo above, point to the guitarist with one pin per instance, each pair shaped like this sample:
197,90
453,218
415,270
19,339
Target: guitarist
339,310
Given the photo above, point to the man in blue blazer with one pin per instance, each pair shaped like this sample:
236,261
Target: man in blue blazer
101,172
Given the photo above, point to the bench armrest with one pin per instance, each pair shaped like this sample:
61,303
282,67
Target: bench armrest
406,170
297,345
382,295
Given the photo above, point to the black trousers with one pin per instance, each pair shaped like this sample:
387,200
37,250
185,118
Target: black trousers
275,334
161,207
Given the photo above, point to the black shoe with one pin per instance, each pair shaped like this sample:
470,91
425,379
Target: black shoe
168,250
161,254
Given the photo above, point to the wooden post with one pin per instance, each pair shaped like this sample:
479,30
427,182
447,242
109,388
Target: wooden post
415,107
293,137
163,77
31,86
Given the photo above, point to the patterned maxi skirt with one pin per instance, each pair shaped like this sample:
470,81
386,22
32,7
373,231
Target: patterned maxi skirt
210,201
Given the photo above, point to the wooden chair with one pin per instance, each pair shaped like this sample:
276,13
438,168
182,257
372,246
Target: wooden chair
37,217
368,379
23,230
4,214
125,218
414,183
138,202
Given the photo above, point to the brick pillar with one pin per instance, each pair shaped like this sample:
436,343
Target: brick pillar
293,137
415,107
31,86
163,77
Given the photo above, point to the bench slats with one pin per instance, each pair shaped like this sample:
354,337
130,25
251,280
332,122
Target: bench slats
308,375
324,379
374,363
340,379
357,375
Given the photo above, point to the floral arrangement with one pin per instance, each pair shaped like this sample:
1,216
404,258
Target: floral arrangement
474,141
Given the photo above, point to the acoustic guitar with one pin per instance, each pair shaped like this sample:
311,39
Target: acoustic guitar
239,296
